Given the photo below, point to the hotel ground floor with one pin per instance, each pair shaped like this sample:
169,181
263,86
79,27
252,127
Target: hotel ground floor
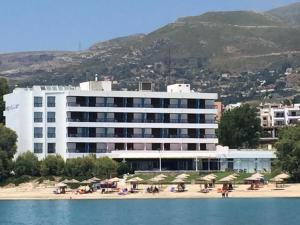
221,159
202,164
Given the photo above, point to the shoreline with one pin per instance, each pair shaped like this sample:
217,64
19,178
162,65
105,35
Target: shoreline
29,192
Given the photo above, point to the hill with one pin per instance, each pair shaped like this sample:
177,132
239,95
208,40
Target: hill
289,14
241,55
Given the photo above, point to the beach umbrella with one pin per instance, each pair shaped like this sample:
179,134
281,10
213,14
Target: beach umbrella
178,181
115,179
85,182
210,177
155,179
226,179
135,179
183,176
257,175
162,176
203,180
94,179
73,181
276,180
283,176
65,181
61,185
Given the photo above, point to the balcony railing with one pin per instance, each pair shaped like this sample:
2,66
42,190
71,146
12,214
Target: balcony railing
111,120
102,135
122,105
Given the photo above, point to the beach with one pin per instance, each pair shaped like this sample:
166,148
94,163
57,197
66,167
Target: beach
43,192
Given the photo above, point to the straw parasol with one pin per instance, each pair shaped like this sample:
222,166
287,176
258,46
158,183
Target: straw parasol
283,176
94,179
203,180
115,179
73,181
61,185
161,175
178,181
227,179
135,179
257,175
65,181
155,179
86,182
183,176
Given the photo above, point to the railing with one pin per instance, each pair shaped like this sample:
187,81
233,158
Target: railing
111,120
123,105
141,136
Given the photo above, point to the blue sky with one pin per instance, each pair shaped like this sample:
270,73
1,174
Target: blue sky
32,25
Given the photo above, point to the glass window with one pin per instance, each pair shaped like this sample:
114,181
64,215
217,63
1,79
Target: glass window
38,132
51,101
51,132
38,148
51,148
38,117
50,117
38,101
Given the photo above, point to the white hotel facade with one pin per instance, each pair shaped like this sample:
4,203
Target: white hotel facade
173,130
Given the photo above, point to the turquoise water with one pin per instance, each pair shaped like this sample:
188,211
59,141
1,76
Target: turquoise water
145,212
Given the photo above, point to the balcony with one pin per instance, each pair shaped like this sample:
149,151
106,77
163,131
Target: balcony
111,120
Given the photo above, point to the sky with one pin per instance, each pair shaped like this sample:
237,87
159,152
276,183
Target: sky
33,25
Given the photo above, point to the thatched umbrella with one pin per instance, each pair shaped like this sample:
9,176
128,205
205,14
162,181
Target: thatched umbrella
227,179
277,181
61,185
86,181
65,181
182,176
115,179
74,181
161,175
283,176
178,181
95,179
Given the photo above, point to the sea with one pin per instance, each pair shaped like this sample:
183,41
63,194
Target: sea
231,211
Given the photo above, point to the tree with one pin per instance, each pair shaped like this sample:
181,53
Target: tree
122,168
288,151
8,148
52,165
26,164
5,165
3,91
8,140
105,166
240,127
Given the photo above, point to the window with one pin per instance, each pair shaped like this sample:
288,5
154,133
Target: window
50,117
38,148
38,117
38,132
38,101
51,148
51,132
51,101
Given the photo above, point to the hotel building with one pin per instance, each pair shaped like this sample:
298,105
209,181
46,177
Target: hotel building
172,130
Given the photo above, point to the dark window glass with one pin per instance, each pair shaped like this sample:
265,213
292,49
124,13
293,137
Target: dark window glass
51,101
38,132
51,148
50,117
51,132
38,101
38,117
38,148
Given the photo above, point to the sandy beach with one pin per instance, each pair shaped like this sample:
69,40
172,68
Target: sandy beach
43,192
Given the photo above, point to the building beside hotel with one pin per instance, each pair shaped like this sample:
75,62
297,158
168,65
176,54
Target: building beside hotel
275,116
172,130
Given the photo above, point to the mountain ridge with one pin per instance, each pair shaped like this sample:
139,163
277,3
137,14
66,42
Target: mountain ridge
197,49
